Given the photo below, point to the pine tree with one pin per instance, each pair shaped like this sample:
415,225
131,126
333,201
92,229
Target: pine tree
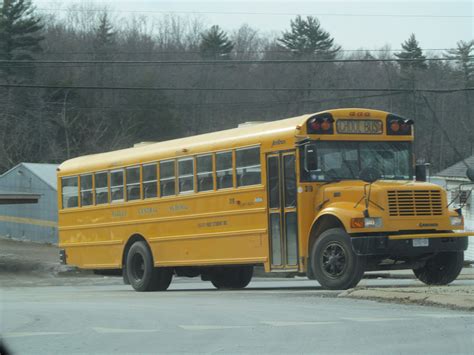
20,34
464,56
306,37
215,44
411,51
104,37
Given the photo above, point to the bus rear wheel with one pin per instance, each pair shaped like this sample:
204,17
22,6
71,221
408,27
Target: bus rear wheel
441,269
141,272
233,277
334,263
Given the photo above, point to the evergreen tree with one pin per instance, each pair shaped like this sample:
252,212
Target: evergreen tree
215,44
306,37
20,34
104,37
464,56
411,51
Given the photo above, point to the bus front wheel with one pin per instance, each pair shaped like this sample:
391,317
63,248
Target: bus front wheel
141,272
234,277
441,269
334,263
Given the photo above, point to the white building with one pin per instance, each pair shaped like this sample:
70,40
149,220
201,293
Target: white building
451,179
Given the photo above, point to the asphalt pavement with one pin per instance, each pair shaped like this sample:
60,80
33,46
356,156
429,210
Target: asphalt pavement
270,316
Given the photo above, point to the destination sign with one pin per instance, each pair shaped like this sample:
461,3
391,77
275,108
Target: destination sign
359,127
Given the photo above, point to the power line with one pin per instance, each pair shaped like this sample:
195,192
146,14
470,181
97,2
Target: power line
253,13
132,88
228,103
262,51
220,62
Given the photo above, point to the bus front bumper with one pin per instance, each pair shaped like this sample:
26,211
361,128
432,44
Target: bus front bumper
410,244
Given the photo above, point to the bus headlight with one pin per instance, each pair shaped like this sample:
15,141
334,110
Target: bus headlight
368,222
456,220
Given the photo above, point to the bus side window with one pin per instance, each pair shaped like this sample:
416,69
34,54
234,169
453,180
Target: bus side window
101,189
116,186
224,170
69,187
167,178
150,181
204,169
133,183
186,175
86,190
248,166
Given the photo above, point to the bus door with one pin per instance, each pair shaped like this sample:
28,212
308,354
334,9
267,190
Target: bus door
283,226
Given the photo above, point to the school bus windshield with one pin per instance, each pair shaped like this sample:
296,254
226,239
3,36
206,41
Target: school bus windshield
337,160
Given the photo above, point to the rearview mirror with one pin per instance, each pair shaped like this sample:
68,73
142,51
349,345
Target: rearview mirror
420,172
470,174
310,157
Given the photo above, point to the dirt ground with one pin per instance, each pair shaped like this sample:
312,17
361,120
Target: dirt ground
34,264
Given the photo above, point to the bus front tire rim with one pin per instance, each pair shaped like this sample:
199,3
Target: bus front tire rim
334,260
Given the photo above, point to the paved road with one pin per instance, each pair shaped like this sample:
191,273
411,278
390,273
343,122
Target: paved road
271,316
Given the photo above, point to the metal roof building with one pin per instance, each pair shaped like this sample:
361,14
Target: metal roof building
458,170
28,203
451,179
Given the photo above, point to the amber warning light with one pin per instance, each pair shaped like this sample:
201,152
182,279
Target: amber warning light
398,126
321,124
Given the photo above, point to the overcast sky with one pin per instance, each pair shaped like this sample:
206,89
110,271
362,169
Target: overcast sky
354,24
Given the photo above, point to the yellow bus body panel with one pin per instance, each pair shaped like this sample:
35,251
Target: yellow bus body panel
219,227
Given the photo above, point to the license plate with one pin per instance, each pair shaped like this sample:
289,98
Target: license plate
421,242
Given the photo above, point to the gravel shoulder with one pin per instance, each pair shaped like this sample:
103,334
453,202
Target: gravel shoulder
452,296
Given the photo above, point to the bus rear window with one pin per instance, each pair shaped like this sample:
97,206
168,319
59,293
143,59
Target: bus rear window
70,191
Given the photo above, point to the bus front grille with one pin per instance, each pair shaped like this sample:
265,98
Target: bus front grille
415,203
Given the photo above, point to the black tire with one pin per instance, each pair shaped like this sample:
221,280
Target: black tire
335,265
441,269
234,277
126,280
142,274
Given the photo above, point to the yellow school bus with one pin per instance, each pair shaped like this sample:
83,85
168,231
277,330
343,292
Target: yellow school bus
328,195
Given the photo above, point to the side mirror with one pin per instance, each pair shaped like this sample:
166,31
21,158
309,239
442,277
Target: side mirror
420,172
310,157
470,174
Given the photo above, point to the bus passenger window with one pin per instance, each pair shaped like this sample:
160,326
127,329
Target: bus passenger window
149,181
133,183
167,178
205,181
69,192
101,189
224,170
86,190
186,175
116,186
248,166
